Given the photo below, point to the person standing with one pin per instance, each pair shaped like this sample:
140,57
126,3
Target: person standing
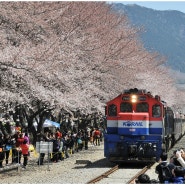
19,142
180,157
56,146
1,150
159,168
93,136
8,147
66,145
58,134
14,147
42,138
85,138
26,137
60,152
24,148
97,136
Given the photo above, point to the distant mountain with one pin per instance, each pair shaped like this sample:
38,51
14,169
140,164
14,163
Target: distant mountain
164,32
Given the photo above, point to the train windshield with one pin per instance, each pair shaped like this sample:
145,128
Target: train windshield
156,111
112,110
142,107
126,107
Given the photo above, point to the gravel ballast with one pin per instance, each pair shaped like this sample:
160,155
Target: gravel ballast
79,168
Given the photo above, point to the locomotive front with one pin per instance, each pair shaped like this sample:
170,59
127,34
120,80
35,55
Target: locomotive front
134,127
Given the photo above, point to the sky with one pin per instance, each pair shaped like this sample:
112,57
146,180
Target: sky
159,5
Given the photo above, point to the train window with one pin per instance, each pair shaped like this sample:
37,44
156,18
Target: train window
112,110
126,107
156,111
142,107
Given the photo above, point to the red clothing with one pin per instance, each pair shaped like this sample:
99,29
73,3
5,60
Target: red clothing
58,134
97,133
19,142
24,148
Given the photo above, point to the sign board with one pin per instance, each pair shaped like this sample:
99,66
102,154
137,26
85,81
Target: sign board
44,147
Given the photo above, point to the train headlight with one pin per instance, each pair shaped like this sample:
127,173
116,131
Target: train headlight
133,98
122,137
142,137
154,146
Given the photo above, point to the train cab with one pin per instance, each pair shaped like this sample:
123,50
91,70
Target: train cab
135,126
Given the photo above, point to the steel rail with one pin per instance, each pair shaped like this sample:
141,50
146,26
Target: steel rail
100,177
131,181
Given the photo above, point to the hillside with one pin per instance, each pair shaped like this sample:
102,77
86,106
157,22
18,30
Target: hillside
162,31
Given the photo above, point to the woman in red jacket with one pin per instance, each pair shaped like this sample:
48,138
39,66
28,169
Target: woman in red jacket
25,148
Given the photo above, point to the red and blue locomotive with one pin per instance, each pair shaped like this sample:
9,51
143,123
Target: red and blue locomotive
139,127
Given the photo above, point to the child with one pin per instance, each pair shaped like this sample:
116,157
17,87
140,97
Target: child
25,147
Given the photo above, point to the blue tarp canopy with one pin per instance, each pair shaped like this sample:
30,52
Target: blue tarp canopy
48,123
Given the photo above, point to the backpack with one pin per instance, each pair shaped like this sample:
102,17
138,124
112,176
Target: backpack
166,173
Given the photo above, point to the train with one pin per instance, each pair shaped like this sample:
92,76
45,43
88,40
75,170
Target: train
140,126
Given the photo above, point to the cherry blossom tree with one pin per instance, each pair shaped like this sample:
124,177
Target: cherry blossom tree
72,55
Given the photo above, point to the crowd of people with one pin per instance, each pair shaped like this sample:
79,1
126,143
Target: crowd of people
17,146
169,172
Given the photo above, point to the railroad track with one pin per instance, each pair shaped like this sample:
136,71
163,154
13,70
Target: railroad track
115,168
131,181
106,174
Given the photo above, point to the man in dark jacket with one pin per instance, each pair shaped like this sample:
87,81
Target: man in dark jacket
159,168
